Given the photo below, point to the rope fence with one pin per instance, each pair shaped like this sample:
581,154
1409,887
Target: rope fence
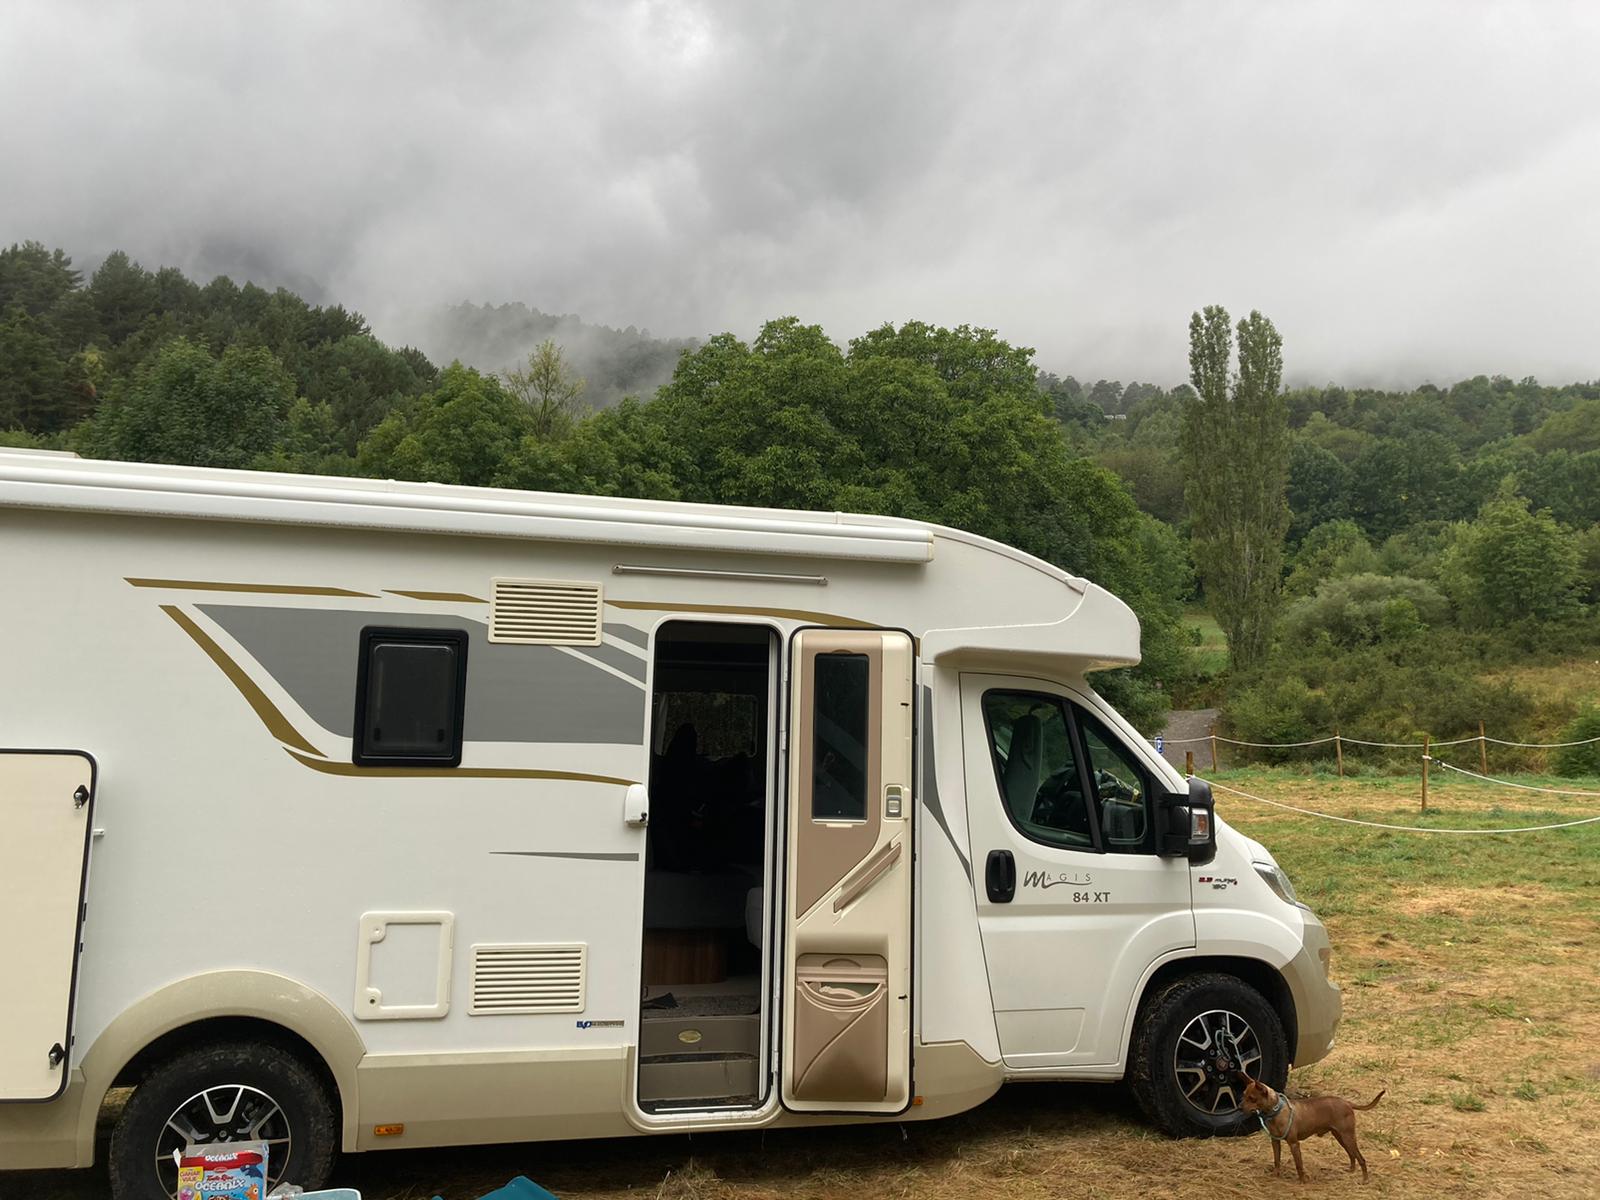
1524,787
1339,741
1354,741
1311,812
1429,760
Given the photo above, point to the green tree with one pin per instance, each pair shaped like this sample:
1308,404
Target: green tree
1236,455
934,424
463,432
35,393
1577,429
35,278
361,380
184,406
124,294
1318,488
1514,566
549,388
1331,550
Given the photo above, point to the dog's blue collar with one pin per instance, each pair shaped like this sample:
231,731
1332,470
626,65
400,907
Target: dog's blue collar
1267,1118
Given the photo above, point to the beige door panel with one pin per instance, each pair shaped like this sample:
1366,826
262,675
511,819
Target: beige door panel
847,960
46,813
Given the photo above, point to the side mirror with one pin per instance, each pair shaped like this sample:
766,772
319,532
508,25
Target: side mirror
1187,824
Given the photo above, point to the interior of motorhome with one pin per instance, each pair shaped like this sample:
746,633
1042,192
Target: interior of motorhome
712,785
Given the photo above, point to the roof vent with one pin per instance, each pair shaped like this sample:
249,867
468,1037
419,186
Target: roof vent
527,979
545,612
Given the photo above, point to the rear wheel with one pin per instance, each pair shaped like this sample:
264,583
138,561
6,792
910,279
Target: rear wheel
224,1092
1192,1040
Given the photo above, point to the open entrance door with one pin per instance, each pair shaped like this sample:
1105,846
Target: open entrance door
46,815
847,949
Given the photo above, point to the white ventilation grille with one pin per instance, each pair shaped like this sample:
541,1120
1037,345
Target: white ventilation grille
544,612
527,979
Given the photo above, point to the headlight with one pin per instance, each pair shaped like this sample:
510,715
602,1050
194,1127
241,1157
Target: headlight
1275,879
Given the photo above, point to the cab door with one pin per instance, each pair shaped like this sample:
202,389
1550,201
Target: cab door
1073,902
846,986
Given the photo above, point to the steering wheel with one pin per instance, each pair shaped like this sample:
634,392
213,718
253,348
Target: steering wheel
1113,788
1058,805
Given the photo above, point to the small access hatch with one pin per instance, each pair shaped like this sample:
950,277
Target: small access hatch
46,819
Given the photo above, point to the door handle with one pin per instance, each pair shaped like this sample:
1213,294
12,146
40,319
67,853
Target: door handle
636,805
1000,876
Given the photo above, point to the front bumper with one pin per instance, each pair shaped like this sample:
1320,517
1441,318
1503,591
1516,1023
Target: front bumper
1317,1001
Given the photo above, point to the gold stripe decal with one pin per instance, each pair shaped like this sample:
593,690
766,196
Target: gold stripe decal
792,614
329,767
264,708
440,597
273,589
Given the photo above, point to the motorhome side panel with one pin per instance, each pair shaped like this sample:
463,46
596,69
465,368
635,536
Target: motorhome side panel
211,667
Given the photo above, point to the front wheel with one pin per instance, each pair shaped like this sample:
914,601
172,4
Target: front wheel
224,1092
1191,1042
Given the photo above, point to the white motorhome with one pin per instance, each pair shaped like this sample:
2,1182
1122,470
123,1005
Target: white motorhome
353,814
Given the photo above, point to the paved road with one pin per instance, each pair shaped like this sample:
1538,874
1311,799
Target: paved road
1186,723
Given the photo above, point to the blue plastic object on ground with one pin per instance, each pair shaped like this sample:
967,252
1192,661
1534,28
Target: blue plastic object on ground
520,1188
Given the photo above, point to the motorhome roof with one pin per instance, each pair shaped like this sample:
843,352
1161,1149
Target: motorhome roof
45,479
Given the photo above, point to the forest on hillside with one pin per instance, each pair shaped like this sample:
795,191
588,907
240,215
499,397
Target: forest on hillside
1438,538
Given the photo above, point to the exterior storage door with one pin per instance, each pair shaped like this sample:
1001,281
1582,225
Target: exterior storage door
46,814
847,954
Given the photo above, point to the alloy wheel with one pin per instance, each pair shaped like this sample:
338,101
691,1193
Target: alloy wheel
1211,1049
227,1112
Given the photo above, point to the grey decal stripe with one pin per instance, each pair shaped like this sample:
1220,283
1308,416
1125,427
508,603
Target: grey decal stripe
566,854
514,693
930,789
628,633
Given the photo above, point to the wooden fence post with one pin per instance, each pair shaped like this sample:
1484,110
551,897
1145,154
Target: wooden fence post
1338,749
1213,747
1188,762
1425,758
1483,751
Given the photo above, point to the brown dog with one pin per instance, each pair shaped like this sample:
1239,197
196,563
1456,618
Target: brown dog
1294,1120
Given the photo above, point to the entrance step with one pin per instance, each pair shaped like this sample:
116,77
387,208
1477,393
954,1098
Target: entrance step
680,1077
676,1034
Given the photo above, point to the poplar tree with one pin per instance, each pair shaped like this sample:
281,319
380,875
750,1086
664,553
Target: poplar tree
1235,447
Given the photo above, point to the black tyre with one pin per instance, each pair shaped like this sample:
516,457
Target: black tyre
1191,1040
225,1092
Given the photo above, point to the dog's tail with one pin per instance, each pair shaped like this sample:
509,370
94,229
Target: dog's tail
1373,1103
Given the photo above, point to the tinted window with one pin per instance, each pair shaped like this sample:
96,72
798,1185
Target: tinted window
1034,764
1119,788
409,694
839,738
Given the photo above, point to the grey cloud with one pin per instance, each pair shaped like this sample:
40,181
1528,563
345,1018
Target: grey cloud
1407,189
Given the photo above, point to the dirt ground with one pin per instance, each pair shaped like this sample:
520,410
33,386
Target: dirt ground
1471,976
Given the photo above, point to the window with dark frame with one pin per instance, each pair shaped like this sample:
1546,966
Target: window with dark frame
1120,789
410,697
1044,771
1036,769
839,738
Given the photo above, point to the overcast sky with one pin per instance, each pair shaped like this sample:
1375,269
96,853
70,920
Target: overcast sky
1411,191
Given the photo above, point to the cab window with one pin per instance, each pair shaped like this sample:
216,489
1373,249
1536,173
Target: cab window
1119,789
1036,768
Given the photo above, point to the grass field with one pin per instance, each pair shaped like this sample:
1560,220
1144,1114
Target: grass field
1210,651
1471,969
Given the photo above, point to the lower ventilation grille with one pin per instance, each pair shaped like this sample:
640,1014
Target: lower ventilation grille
514,979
